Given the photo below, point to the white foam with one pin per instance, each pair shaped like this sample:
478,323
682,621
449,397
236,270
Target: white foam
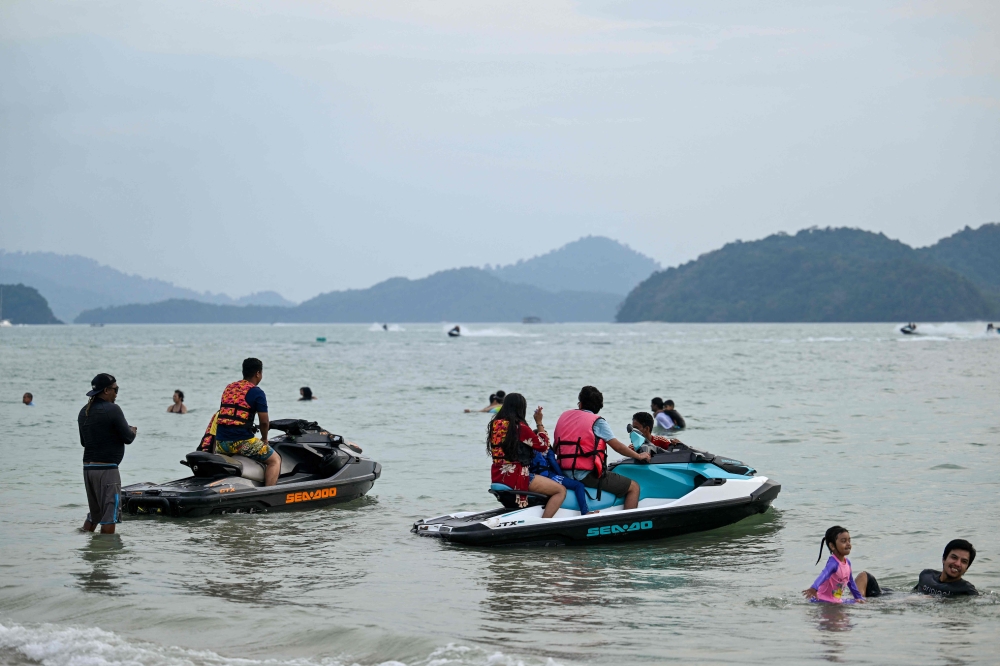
950,331
487,333
52,645
392,328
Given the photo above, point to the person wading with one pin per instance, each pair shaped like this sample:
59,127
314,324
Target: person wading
104,432
234,425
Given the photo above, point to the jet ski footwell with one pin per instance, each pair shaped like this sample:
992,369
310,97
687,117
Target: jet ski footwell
707,507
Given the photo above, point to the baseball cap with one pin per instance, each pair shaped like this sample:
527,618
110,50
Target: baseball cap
100,382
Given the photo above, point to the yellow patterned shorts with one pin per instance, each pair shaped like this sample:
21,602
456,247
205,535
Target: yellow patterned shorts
254,448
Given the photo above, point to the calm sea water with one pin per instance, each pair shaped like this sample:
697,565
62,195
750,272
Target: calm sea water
896,438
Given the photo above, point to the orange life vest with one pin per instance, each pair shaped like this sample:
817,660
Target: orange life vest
235,410
576,445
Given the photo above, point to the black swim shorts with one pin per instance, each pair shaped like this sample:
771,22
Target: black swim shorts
104,487
616,484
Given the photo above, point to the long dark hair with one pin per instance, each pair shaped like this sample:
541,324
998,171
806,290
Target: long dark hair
830,537
514,410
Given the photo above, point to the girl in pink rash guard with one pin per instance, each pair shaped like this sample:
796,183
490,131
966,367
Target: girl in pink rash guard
836,579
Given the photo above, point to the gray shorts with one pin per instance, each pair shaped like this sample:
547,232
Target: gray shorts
104,487
616,484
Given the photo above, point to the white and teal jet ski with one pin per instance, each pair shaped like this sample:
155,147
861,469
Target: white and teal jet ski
682,490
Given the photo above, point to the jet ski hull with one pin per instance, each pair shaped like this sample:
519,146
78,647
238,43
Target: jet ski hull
501,527
196,496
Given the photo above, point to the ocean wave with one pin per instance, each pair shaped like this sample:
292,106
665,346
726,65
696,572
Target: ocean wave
489,333
392,328
52,645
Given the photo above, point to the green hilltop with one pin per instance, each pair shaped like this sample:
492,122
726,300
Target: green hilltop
827,275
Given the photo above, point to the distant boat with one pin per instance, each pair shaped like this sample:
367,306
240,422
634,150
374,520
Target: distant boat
531,320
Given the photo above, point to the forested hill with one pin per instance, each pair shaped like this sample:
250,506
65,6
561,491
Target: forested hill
816,275
24,305
592,263
462,295
974,253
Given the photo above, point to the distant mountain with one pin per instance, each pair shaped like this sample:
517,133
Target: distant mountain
24,305
72,283
593,263
462,295
815,275
974,253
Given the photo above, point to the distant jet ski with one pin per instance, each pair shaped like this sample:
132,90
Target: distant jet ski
455,332
317,469
909,329
682,490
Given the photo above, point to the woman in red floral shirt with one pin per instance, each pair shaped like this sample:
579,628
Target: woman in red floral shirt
512,443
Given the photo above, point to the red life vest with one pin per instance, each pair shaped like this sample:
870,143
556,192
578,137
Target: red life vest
235,410
576,445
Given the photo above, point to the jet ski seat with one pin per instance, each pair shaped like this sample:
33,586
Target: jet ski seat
507,496
214,464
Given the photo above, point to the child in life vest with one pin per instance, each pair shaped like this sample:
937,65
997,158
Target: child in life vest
836,579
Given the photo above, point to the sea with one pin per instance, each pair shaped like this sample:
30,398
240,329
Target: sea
897,438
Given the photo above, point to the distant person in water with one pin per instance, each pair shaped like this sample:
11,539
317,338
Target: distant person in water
958,556
28,399
990,328
666,417
836,579
306,393
178,407
495,402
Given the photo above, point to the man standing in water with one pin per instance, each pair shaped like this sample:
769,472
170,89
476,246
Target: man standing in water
234,430
104,432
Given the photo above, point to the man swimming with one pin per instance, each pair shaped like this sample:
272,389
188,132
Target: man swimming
958,556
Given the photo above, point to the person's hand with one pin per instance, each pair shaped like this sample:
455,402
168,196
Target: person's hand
133,429
644,457
538,416
810,593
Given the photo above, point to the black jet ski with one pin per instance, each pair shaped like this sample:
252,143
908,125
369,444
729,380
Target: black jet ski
317,469
909,329
455,332
682,490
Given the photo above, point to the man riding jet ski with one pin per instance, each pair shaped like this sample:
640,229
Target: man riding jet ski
317,469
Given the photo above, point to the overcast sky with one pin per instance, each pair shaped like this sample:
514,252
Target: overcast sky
303,147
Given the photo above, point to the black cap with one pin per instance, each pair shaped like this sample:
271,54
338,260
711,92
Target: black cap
100,382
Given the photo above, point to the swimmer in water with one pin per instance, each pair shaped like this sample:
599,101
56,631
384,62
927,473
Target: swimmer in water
836,579
496,400
178,406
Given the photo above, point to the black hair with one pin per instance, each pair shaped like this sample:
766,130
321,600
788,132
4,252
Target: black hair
180,393
251,366
514,410
645,419
960,544
828,538
307,393
668,403
657,402
591,399
500,395
493,398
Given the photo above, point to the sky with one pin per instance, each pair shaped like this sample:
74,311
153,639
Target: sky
304,147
